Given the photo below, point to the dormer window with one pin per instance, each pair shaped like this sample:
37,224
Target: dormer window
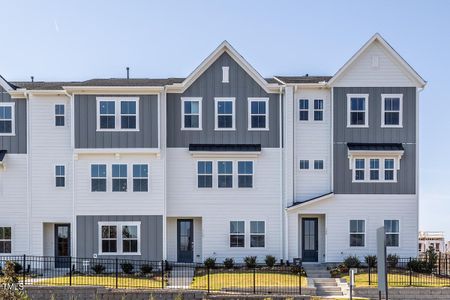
117,114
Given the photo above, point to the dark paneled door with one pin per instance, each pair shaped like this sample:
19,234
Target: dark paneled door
310,241
185,240
62,245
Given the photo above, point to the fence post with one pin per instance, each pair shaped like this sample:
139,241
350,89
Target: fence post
300,281
446,265
70,270
162,273
24,268
117,273
254,280
209,286
410,272
439,264
370,282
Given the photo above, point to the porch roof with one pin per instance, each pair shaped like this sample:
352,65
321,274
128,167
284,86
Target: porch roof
318,198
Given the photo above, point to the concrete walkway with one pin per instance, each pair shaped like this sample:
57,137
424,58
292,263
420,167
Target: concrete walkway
180,277
319,277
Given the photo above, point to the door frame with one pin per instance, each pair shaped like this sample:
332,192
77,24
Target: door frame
178,238
316,234
61,261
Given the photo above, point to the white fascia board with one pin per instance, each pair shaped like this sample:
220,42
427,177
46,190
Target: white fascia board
5,84
303,204
377,37
150,151
128,90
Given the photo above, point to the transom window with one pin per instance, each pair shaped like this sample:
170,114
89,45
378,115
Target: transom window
391,110
357,110
225,174
303,109
117,114
59,114
304,164
318,164
119,178
60,176
237,234
5,240
392,231
204,174
318,110
357,233
98,178
225,114
7,119
257,234
119,238
140,178
374,169
191,113
258,113
245,174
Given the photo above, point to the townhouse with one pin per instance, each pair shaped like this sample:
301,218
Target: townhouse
222,163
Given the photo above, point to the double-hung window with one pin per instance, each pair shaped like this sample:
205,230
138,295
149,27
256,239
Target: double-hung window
224,113
107,115
59,114
109,238
204,174
191,110
5,240
392,231
357,110
357,233
304,164
318,110
128,114
359,169
60,176
257,234
374,169
391,108
318,164
140,178
225,174
119,238
98,178
237,234
389,169
7,119
130,238
119,178
258,113
117,114
245,174
303,105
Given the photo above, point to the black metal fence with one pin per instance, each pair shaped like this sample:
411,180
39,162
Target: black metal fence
143,274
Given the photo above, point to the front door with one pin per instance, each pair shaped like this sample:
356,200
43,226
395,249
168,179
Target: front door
185,240
62,245
310,241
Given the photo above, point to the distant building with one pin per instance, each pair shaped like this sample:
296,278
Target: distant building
432,238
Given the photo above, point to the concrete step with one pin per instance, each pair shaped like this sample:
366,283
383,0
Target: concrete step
324,280
329,294
330,289
330,284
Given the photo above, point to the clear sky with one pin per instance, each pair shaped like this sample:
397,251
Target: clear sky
83,39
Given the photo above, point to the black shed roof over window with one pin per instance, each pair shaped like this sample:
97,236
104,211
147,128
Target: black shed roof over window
2,154
226,147
375,147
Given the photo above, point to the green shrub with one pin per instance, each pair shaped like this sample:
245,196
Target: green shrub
228,263
98,268
210,262
352,262
392,260
343,269
418,266
296,269
127,267
335,273
431,259
17,267
270,260
146,269
371,261
250,262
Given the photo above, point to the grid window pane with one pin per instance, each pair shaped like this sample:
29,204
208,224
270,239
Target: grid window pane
98,178
304,164
237,234
357,111
225,171
258,114
357,233
304,109
204,174
140,178
6,119
318,164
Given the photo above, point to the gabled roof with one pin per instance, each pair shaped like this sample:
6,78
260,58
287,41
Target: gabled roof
403,64
302,79
225,47
310,201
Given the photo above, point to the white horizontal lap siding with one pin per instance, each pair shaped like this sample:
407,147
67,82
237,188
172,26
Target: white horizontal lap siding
13,200
217,207
312,142
363,73
119,203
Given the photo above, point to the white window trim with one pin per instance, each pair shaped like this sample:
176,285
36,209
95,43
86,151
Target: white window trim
60,115
399,230
400,96
366,109
250,234
132,177
126,177
90,177
322,110
117,114
299,110
225,74
244,234
204,174
119,238
237,174
200,124
13,118
12,239
56,176
350,233
352,162
233,114
249,115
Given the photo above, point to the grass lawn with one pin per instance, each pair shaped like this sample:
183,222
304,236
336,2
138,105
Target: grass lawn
219,281
401,280
106,281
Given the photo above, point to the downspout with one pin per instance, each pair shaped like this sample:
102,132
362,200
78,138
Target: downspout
72,146
418,91
163,146
282,213
27,96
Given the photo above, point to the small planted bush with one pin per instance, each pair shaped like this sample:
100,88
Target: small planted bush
418,266
250,262
228,263
298,270
98,268
392,260
270,260
127,267
371,261
17,267
146,269
352,262
210,262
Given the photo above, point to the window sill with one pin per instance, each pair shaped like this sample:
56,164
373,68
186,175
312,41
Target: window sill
117,130
225,129
191,129
391,126
119,253
357,126
258,129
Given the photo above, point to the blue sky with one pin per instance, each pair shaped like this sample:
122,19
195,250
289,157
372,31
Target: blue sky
77,40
